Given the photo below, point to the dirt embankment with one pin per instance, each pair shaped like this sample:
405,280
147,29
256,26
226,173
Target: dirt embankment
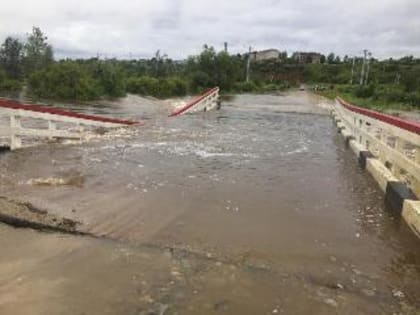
25,215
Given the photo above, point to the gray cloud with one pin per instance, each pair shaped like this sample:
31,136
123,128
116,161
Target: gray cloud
138,28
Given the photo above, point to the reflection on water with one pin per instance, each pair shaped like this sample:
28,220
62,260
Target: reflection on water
256,209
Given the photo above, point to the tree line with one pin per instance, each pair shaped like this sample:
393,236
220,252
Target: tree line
30,63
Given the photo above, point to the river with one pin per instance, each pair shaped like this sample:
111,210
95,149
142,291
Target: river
255,209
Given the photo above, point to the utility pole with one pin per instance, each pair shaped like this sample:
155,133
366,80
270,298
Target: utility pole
362,73
226,47
352,70
368,67
248,64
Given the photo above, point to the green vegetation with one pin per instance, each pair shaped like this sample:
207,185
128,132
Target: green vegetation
30,63
156,87
377,97
391,83
67,80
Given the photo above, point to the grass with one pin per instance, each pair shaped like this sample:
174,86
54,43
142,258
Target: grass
377,103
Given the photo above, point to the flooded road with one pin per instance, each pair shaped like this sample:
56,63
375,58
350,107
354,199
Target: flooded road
255,209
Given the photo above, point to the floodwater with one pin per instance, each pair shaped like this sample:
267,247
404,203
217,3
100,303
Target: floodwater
255,209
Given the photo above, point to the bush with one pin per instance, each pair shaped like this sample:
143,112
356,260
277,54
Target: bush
110,79
345,89
364,91
143,86
172,87
392,95
10,85
65,81
2,76
201,80
413,99
148,86
271,87
180,87
245,87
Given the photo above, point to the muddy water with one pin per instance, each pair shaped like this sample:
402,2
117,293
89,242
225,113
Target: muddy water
256,209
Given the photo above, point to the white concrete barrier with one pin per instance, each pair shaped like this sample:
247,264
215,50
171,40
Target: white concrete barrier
208,101
16,111
389,149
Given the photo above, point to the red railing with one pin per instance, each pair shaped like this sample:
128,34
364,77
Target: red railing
408,125
195,101
56,111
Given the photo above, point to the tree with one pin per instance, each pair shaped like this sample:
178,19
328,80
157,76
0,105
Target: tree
410,81
11,56
159,64
38,53
109,77
331,58
210,69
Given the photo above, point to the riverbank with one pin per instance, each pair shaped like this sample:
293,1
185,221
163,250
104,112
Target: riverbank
377,97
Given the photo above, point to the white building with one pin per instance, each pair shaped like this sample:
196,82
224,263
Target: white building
265,54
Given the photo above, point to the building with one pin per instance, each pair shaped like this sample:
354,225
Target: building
265,55
307,57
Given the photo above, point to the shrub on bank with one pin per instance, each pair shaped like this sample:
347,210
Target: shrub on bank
110,79
148,86
64,81
245,87
143,86
9,85
364,91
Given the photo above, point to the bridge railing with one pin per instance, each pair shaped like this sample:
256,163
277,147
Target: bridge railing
393,141
205,102
16,131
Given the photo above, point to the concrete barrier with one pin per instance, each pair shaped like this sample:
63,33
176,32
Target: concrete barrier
389,149
208,101
15,131
411,215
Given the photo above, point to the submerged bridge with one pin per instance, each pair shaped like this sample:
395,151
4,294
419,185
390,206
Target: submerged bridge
386,146
16,131
389,149
74,121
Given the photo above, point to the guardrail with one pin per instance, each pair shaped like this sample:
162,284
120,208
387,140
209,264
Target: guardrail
393,141
206,102
16,131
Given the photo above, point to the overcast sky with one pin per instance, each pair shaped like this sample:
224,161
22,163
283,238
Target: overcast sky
137,28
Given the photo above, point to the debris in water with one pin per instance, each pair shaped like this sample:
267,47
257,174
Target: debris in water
368,292
331,302
77,181
398,294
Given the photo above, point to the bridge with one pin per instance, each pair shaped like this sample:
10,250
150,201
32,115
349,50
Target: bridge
210,100
389,149
51,116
